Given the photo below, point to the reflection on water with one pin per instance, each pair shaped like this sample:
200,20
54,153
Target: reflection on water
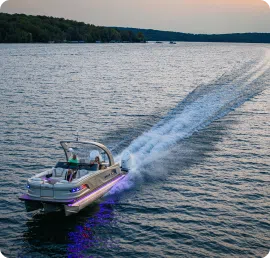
94,233
71,236
205,196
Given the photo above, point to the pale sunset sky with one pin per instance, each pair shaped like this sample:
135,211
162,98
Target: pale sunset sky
194,16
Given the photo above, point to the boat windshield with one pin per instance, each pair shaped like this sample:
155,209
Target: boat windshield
87,152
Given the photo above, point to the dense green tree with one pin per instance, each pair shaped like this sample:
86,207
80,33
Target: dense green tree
21,28
140,36
124,35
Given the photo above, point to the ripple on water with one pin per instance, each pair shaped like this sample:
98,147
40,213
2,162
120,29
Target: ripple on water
206,196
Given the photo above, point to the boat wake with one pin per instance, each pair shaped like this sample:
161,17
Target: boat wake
201,107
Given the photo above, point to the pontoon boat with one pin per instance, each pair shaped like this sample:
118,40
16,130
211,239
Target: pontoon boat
71,186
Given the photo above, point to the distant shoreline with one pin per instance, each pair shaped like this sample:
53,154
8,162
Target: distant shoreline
158,35
21,28
148,42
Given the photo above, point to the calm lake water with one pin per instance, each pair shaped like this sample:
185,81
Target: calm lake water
196,117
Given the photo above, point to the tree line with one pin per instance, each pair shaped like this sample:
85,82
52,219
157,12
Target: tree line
21,28
156,35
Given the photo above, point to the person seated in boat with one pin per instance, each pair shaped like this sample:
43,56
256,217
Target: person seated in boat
74,160
96,161
70,175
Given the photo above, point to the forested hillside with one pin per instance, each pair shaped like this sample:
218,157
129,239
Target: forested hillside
157,35
21,28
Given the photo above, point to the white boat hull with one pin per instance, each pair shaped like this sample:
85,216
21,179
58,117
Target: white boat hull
90,198
71,186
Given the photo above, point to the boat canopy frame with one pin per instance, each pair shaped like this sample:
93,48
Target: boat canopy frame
96,144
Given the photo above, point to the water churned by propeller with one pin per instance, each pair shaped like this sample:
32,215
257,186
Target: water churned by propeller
202,106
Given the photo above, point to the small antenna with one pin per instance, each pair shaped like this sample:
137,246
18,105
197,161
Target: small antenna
77,137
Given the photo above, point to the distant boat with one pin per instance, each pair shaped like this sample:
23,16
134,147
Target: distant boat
172,42
159,42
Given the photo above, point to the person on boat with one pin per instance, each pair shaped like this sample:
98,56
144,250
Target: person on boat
96,161
70,175
74,159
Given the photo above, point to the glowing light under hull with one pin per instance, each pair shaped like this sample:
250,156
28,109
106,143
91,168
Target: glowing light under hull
97,193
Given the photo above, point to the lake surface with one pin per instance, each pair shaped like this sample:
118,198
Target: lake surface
196,117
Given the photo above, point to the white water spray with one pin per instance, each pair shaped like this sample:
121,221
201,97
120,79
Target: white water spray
199,109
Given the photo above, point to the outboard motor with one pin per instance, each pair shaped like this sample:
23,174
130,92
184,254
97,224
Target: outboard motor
126,161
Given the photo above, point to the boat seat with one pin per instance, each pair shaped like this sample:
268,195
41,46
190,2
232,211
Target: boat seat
58,172
53,180
82,172
36,181
62,182
94,167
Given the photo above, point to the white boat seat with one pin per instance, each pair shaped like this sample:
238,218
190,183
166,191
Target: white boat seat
58,172
36,181
47,184
83,172
63,181
54,180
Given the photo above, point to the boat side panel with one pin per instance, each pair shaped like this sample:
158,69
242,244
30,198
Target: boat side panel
42,189
102,178
92,182
90,198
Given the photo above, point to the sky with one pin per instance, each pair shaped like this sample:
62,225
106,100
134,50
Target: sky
191,16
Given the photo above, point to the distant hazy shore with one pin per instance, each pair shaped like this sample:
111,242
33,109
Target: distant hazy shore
21,28
157,35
